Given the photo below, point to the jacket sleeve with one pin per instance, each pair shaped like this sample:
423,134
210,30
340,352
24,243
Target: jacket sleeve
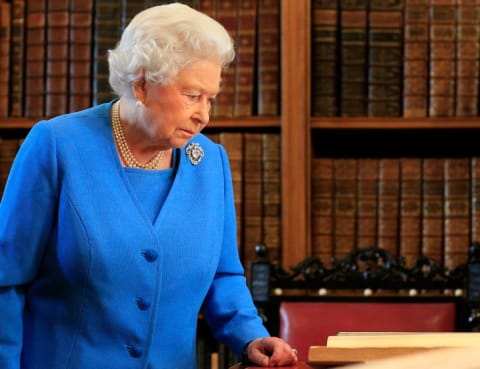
229,308
26,211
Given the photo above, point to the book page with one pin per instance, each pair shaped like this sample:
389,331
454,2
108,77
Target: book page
433,339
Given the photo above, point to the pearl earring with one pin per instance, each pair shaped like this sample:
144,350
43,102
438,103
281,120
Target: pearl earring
138,103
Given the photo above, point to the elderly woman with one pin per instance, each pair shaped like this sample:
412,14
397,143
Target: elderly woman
117,224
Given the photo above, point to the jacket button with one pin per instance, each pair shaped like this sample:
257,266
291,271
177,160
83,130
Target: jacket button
150,255
134,351
142,303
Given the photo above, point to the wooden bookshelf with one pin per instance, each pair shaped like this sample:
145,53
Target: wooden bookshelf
298,128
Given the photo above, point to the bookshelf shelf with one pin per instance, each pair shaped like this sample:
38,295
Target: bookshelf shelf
17,123
394,123
220,123
245,122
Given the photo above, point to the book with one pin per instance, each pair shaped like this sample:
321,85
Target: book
57,61
34,70
268,57
410,209
405,339
432,208
388,204
395,357
227,15
5,39
208,7
442,358
130,8
322,209
8,150
415,58
252,196
353,58
233,144
475,199
271,204
17,57
442,58
385,58
367,202
245,59
79,54
457,211
340,356
107,27
345,206
467,58
325,28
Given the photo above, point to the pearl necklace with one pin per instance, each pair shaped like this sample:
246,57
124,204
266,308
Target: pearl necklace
122,144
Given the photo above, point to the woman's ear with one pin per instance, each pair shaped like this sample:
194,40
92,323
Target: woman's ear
138,88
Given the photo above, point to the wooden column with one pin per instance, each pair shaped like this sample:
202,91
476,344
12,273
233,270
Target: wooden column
295,126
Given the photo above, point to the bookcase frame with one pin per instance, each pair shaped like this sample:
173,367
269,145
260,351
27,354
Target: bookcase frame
296,127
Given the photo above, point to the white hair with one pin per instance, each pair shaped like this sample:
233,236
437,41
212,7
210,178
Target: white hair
161,41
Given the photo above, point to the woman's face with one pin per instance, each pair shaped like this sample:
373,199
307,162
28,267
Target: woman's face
176,112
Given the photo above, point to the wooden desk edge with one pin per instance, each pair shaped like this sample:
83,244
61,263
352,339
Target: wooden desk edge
299,365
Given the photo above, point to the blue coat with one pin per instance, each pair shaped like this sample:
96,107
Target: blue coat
87,281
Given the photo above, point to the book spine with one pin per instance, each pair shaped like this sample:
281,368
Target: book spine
353,57
227,15
457,211
416,58
208,7
81,22
245,59
367,202
8,150
5,39
442,58
388,204
385,58
325,28
432,208
252,197
322,208
268,57
410,209
345,202
130,8
107,28
271,205
17,58
233,144
57,45
34,72
475,199
468,58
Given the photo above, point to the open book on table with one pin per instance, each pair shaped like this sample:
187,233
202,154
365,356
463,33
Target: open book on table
360,347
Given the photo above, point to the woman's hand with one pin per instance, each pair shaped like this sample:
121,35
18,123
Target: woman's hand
271,351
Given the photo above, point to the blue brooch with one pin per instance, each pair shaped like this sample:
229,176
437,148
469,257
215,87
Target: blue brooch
195,153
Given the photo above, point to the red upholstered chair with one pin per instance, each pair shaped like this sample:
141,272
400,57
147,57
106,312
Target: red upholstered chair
303,324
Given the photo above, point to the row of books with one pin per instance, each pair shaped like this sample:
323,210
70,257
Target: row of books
407,206
255,165
53,54
406,58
